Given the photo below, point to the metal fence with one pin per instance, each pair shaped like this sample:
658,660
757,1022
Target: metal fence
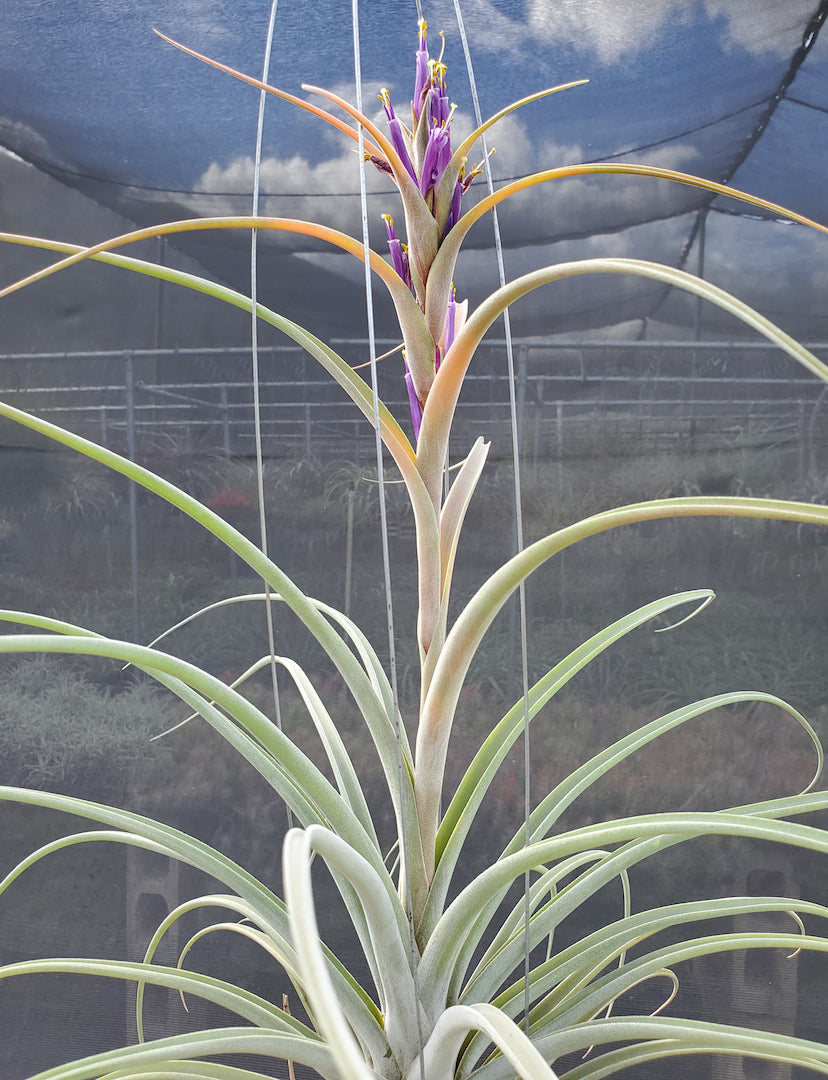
644,396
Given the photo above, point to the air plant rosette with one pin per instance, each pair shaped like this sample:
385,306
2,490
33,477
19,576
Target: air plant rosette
450,991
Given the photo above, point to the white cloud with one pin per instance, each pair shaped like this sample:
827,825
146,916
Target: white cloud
4,150
26,139
300,188
296,186
569,205
193,21
615,30
752,257
756,25
582,204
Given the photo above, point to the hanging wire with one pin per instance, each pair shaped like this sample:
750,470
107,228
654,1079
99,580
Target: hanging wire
254,345
518,505
405,867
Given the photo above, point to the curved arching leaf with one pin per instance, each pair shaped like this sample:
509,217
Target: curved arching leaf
365,651
460,921
596,951
439,409
587,885
472,789
246,1005
455,1025
467,633
591,999
546,814
159,1053
329,118
442,269
326,1009
683,1036
380,724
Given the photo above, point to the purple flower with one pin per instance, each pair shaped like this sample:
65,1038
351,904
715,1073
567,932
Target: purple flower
380,163
454,209
421,75
398,250
435,159
395,130
414,402
437,103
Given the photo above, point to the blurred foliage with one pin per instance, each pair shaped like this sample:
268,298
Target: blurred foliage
766,629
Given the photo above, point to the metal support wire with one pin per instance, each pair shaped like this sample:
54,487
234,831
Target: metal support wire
254,345
518,504
405,866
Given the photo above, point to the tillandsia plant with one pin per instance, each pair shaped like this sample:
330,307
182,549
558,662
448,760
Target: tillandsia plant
452,991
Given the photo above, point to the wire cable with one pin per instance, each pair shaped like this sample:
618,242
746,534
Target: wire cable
254,348
518,506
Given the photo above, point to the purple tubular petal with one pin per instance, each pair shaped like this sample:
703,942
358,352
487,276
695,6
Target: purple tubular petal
454,209
414,402
380,163
396,133
399,260
398,142
435,159
433,107
399,256
445,108
437,103
420,72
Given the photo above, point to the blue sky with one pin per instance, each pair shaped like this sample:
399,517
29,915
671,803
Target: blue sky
88,83
88,89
